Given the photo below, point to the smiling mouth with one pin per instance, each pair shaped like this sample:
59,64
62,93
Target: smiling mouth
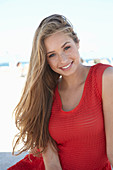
67,66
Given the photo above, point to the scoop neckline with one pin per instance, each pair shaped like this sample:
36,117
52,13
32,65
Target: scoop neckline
83,95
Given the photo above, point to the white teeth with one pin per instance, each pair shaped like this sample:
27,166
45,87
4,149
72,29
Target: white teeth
66,66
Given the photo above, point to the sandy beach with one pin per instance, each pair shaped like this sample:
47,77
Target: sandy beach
11,85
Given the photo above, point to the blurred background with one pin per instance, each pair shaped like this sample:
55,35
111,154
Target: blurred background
91,19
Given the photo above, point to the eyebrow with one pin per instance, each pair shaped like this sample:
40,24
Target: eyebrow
64,44
61,47
50,52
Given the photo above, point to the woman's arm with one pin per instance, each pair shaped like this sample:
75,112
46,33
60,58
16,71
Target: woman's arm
107,95
51,159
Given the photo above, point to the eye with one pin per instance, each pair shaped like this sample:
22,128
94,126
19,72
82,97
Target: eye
51,55
66,48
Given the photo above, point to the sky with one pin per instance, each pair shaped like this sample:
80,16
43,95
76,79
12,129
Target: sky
92,21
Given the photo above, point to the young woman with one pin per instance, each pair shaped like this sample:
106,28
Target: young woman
66,109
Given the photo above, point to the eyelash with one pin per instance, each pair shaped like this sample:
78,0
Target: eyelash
66,48
52,55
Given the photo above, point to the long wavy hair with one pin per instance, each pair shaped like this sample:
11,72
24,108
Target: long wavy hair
33,111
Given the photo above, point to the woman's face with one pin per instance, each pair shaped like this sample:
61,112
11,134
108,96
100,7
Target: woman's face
62,53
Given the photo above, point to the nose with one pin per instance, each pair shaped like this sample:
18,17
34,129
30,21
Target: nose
63,58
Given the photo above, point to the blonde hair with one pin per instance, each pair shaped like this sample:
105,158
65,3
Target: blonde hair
33,111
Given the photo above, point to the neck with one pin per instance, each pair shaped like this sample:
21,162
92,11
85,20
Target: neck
74,79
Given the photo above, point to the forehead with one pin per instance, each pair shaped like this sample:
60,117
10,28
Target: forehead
56,40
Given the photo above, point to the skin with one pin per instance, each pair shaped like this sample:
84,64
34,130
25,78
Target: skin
63,57
62,53
51,159
107,97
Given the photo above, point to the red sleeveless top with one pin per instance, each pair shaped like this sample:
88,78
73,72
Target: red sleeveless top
80,133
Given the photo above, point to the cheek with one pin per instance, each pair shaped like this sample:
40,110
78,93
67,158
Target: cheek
75,54
52,64
72,54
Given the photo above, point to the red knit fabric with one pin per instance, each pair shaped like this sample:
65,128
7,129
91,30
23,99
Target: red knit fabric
79,133
29,163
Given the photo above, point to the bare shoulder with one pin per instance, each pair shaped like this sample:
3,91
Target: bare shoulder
108,72
107,78
107,98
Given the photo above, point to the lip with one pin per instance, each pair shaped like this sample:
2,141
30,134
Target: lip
67,66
